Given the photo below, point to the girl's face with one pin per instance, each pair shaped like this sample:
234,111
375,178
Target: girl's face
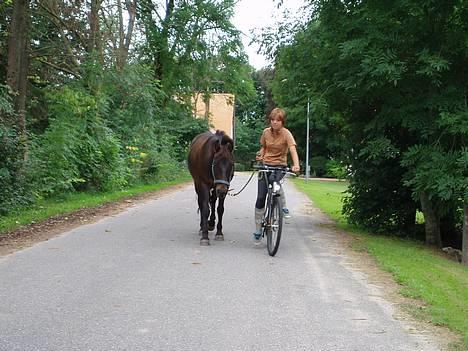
276,123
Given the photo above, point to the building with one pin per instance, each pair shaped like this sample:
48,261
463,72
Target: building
219,110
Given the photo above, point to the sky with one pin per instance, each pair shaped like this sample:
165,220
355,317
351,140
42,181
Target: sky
255,14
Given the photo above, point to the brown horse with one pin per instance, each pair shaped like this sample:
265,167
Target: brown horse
211,164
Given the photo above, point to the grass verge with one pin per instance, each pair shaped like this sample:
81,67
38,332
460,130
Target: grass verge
47,208
424,274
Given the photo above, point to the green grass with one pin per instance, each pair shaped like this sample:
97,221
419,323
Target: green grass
441,283
326,195
46,208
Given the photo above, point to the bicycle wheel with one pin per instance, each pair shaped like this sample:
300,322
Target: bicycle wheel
274,225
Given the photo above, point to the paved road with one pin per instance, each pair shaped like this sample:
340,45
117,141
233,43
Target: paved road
140,281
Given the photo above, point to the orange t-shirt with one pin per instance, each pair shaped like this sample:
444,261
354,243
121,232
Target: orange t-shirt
276,146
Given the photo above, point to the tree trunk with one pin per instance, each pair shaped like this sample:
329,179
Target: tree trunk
162,53
431,221
94,40
18,66
465,235
125,38
206,100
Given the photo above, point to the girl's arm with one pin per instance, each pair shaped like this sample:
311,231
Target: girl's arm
260,154
295,158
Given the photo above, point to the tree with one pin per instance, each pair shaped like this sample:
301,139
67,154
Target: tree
393,75
189,43
96,116
125,34
18,67
251,117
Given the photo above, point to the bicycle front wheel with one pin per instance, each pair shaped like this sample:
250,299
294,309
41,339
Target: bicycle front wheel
275,225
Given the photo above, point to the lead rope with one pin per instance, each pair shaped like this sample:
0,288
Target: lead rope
243,186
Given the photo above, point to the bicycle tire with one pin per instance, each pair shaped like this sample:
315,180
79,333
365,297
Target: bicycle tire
274,225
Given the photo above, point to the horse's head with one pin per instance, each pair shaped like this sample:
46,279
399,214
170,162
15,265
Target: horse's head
223,165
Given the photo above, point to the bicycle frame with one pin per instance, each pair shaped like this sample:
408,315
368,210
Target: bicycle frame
272,222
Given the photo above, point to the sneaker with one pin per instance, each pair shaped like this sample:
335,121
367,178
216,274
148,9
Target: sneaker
257,238
286,213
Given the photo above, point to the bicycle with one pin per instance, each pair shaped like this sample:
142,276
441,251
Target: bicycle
272,222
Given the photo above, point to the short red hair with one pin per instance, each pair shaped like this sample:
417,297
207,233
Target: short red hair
279,114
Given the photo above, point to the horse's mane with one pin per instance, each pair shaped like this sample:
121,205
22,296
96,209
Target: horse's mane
223,138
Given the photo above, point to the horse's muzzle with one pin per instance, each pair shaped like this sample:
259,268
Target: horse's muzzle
221,190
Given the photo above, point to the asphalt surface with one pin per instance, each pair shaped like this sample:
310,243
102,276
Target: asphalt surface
140,280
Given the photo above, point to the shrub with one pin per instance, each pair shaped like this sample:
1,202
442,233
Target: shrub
14,189
335,169
77,150
318,165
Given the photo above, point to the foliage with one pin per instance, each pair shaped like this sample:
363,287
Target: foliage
108,132
103,114
318,166
441,174
250,118
192,46
377,201
5,102
296,86
336,169
77,151
13,185
384,79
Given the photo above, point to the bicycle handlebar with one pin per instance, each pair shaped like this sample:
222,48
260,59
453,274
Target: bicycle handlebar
265,168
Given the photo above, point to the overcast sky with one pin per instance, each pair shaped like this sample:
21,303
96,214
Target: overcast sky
255,14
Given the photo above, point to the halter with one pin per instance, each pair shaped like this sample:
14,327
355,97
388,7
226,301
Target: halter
218,181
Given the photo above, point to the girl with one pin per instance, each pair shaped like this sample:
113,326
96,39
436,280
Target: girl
275,142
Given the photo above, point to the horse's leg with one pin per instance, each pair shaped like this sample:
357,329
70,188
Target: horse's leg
203,198
219,228
211,221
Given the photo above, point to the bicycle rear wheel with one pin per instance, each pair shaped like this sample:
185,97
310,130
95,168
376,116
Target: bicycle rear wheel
275,225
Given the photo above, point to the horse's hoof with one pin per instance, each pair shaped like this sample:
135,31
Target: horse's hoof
211,227
219,237
204,242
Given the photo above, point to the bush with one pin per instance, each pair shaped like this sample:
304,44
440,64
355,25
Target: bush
14,189
377,200
318,165
77,151
163,167
335,169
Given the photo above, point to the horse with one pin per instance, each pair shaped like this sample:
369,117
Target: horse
211,164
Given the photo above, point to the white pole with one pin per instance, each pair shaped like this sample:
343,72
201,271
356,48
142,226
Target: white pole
307,141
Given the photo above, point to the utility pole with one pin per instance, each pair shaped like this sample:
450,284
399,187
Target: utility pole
307,141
